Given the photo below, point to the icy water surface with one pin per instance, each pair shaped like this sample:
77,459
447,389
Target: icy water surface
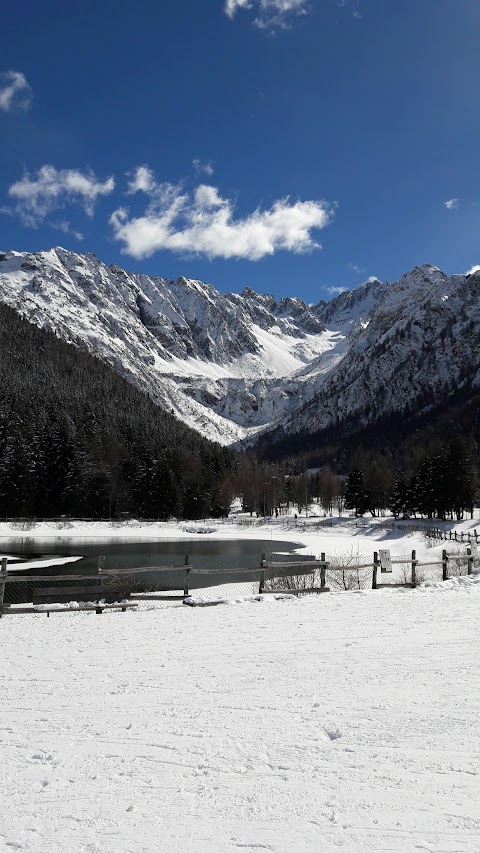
206,554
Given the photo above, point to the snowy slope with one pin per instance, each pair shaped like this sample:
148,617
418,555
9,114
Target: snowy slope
337,722
419,342
219,362
231,365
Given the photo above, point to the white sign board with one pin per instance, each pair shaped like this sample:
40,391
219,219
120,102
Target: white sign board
385,561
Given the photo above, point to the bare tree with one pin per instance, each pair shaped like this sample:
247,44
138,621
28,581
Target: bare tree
328,488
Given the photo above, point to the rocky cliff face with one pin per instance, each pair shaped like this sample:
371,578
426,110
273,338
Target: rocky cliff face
231,365
419,342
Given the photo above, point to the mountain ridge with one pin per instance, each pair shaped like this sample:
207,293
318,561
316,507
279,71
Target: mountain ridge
234,366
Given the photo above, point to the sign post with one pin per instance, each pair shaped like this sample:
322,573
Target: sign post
385,561
471,554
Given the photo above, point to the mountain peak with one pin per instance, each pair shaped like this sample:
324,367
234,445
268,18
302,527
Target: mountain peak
426,271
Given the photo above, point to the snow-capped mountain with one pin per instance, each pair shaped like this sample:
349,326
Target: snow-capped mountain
419,343
233,365
221,363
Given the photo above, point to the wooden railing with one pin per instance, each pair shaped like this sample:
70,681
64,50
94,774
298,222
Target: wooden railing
274,573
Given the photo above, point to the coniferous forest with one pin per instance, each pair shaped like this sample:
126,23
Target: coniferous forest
77,439
410,463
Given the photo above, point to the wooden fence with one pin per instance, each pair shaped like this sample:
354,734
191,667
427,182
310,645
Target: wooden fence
292,574
452,535
372,572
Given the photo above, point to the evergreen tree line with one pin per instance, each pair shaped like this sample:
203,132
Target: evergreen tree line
77,439
441,485
445,486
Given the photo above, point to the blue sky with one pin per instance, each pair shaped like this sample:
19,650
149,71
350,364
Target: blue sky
227,140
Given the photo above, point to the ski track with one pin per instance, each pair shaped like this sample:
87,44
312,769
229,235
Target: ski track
338,722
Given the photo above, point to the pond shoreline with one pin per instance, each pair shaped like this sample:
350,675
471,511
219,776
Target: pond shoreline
154,565
83,533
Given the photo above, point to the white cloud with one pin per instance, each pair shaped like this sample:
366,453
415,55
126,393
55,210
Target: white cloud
353,5
65,227
205,168
356,269
204,223
335,291
271,14
452,203
278,14
52,189
231,6
372,278
475,268
143,181
14,91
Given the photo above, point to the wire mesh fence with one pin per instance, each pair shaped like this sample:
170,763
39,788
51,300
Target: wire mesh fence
403,572
348,578
226,591
149,584
458,562
310,575
35,590
333,580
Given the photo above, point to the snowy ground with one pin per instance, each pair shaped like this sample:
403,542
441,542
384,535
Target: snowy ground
314,532
345,721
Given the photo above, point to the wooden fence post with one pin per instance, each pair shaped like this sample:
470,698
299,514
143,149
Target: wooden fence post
3,573
414,568
100,565
375,569
261,584
470,561
322,571
444,565
187,575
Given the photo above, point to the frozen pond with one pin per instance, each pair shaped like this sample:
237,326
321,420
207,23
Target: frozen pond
203,553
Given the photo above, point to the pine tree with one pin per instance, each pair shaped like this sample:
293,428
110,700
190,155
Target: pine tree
76,438
356,496
399,498
459,479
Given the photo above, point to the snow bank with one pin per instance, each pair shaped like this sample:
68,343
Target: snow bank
199,529
468,583
314,724
203,599
75,605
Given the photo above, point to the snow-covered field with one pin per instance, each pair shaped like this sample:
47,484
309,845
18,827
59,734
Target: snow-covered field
338,722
